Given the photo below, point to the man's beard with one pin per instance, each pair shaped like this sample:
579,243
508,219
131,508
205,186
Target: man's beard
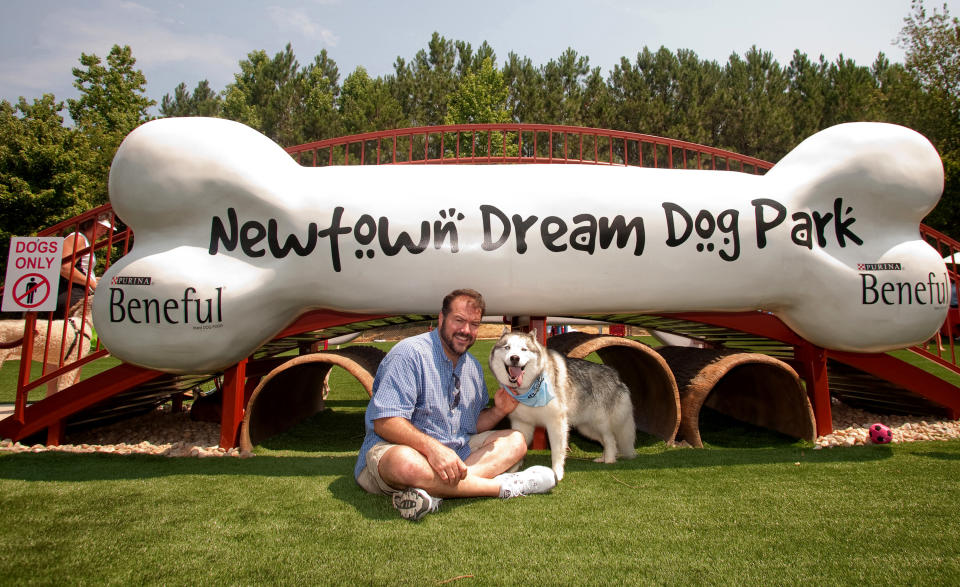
452,342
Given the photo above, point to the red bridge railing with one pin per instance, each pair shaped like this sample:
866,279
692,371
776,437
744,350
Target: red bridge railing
519,143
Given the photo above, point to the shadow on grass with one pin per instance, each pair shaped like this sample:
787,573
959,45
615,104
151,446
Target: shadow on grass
693,458
326,444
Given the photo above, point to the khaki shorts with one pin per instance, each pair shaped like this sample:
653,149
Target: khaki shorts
369,478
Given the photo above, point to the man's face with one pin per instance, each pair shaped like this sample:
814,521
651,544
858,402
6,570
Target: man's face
458,329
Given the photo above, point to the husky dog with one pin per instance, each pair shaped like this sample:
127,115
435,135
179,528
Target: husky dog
557,392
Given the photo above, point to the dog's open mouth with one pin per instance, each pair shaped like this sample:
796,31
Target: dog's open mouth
516,375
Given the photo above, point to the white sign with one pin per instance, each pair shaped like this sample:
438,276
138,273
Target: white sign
235,240
33,274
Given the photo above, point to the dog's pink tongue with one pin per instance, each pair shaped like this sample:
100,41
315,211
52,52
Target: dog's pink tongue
516,373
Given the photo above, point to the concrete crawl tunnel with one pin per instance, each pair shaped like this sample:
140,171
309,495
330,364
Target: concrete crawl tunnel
295,390
653,389
750,387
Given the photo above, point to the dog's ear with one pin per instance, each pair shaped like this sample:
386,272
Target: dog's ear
533,333
506,329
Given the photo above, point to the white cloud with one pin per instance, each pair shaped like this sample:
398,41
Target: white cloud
290,19
157,41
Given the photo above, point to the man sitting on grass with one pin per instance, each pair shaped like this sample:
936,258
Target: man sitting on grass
429,432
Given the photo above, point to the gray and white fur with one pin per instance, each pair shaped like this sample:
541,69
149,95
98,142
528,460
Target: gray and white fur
588,396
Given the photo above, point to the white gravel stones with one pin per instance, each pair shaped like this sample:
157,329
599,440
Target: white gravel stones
160,432
850,427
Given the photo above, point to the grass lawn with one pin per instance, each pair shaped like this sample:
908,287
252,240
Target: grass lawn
750,508
779,513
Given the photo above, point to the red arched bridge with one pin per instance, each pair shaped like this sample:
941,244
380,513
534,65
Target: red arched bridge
743,360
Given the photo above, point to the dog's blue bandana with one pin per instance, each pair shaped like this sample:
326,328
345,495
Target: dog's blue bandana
537,396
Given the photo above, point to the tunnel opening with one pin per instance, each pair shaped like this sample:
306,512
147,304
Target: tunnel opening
653,389
297,390
752,388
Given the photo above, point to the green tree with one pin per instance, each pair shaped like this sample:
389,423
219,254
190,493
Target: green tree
112,103
852,94
667,94
202,102
905,102
807,94
480,98
43,170
321,89
644,91
289,104
524,90
597,109
470,62
946,215
932,45
695,100
423,86
367,105
755,106
563,83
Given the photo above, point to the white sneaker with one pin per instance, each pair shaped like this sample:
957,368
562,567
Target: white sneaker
536,479
413,503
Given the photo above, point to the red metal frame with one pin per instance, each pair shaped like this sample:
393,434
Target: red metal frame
619,146
53,410
486,143
64,364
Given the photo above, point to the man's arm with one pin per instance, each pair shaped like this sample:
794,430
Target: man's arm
503,404
443,460
68,268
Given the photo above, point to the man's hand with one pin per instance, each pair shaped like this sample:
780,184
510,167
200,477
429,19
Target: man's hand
446,464
504,402
443,460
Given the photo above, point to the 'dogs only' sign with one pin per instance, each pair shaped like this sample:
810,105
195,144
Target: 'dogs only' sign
235,240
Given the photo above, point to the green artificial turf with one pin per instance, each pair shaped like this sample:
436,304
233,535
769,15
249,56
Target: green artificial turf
752,507
776,512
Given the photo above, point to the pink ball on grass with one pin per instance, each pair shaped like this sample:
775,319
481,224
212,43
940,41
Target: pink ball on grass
880,434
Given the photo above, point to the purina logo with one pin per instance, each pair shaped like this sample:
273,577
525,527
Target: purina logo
879,267
120,280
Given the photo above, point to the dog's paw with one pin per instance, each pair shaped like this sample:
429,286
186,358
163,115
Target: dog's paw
558,471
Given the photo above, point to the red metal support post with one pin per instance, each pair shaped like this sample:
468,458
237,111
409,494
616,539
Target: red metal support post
812,363
55,433
232,410
26,362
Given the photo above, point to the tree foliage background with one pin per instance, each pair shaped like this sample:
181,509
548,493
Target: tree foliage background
751,104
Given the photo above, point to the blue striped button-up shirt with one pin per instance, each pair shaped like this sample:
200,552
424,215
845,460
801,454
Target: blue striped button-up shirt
416,381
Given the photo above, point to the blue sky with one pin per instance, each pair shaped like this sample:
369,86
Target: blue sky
41,40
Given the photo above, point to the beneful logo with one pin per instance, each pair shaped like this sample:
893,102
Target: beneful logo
934,291
190,309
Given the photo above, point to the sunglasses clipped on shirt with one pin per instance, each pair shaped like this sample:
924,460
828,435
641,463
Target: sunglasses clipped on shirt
456,392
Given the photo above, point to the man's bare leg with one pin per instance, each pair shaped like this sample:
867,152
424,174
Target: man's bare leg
403,467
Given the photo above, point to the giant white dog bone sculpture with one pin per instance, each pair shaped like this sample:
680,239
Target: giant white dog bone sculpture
234,240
